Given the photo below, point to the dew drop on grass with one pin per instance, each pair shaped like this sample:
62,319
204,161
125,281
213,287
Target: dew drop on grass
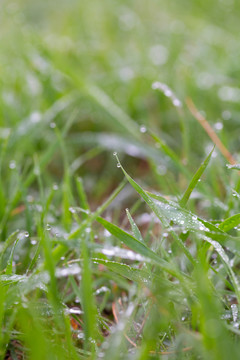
115,153
48,227
218,126
72,210
194,217
33,242
55,187
177,102
12,165
234,309
35,117
118,165
143,129
26,234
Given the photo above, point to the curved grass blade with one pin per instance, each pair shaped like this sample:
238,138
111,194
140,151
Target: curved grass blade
135,229
137,275
226,262
138,247
230,223
9,267
133,274
194,181
159,211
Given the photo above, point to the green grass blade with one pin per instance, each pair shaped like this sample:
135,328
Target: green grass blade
136,232
138,246
82,197
160,211
194,181
227,264
89,306
230,223
9,268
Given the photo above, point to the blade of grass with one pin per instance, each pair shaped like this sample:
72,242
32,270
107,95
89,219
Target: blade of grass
135,229
157,210
139,247
230,223
194,181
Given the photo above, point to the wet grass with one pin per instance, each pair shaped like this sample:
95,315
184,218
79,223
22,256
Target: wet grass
119,180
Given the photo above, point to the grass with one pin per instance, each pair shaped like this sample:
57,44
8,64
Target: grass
119,180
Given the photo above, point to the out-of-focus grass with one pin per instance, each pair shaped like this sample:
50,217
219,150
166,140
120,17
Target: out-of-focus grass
81,278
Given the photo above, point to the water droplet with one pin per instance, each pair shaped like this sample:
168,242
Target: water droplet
182,222
115,153
143,129
72,210
88,230
12,164
52,125
81,336
234,309
26,234
118,165
62,258
48,227
165,234
33,242
177,102
55,187
218,126
35,117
